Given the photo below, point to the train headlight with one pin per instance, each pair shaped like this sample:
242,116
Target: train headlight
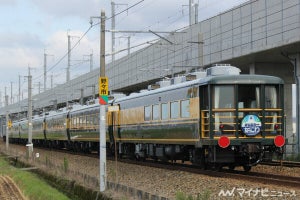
224,142
279,141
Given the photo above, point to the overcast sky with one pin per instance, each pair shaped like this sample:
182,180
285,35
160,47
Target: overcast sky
31,27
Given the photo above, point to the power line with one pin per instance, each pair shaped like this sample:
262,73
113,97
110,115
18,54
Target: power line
77,43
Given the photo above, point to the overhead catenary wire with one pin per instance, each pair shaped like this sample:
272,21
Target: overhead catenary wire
83,35
78,42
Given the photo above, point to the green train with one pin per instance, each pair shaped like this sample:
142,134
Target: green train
222,119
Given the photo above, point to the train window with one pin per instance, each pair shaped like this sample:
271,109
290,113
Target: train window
174,109
271,97
185,108
223,100
248,96
156,112
95,119
164,111
147,113
89,120
223,96
204,97
80,121
74,122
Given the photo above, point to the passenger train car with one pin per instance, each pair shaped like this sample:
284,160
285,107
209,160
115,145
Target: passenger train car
223,119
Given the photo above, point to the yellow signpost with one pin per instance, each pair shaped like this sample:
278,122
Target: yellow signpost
103,90
9,124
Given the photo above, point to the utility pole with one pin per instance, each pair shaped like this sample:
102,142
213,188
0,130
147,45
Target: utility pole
7,120
128,44
93,90
102,108
193,12
11,92
196,12
90,59
91,62
45,70
113,26
0,99
69,58
190,11
51,81
29,144
19,95
103,97
39,87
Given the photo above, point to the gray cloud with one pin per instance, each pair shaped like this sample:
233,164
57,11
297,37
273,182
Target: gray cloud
28,40
78,8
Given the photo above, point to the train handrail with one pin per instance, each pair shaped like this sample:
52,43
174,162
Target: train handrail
234,123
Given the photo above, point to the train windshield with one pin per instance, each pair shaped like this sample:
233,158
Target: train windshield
233,106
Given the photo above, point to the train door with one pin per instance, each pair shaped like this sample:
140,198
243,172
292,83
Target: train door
204,112
113,123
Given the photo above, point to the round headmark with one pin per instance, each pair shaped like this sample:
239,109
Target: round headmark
251,125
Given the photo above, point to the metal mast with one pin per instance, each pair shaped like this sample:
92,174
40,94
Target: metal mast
45,71
102,113
113,26
69,58
29,145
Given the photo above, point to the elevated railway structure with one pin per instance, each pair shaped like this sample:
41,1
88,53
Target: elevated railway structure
259,37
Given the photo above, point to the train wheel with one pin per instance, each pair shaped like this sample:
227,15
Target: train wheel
247,168
217,167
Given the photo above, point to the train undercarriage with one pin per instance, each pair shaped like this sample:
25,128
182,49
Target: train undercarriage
207,157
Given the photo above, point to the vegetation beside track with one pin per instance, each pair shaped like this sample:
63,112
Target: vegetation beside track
30,184
70,188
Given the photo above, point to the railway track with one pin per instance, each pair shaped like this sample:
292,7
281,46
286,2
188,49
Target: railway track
282,163
9,190
256,177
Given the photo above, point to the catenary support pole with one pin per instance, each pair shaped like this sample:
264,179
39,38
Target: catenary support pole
29,145
7,119
102,113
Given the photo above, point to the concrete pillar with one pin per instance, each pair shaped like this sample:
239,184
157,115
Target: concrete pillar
286,72
252,68
296,63
288,109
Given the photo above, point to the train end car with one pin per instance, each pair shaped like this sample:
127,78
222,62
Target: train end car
223,119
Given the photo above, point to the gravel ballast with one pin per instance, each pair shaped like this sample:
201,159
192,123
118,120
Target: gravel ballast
156,181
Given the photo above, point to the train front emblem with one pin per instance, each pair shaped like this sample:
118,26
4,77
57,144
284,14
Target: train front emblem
251,125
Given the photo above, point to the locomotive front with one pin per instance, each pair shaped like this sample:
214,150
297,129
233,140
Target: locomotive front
242,119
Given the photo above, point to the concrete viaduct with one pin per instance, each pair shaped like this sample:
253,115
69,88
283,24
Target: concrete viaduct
259,37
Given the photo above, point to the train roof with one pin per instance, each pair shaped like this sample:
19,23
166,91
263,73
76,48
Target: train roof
223,79
242,79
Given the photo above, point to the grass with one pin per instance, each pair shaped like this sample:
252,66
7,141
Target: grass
30,184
